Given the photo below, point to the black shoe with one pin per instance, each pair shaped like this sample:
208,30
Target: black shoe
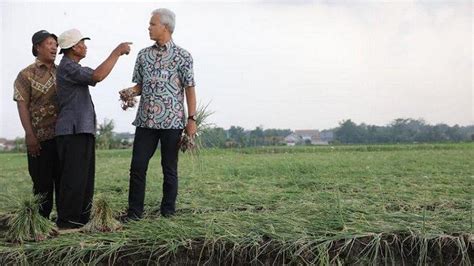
168,214
126,218
68,225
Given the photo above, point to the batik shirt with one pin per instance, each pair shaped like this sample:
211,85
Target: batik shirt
163,73
36,86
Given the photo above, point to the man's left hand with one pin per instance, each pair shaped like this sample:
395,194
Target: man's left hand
191,128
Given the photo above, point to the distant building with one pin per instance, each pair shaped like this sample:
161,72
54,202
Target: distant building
6,145
292,139
309,136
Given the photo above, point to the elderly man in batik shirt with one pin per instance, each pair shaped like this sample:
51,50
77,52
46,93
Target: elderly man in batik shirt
164,76
35,94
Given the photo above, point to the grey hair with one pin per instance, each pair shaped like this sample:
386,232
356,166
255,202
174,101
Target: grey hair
167,17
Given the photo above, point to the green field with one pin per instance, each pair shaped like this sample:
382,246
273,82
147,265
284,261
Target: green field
381,204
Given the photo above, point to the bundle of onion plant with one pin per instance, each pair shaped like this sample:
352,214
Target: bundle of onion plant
102,217
193,143
27,224
127,96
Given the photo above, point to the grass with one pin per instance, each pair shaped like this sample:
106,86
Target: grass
301,205
26,224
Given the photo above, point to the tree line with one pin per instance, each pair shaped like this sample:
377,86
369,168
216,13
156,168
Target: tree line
237,136
398,131
401,130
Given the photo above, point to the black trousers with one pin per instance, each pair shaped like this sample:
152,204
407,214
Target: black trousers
144,146
44,172
77,167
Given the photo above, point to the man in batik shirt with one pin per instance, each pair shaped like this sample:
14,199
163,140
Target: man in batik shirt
35,94
164,76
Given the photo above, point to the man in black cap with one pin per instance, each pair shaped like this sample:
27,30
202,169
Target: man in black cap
35,94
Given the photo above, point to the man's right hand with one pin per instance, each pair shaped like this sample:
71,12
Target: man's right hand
32,145
103,70
123,48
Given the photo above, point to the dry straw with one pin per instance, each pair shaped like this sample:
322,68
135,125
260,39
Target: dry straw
102,217
193,143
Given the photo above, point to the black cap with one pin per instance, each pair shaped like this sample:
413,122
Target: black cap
40,36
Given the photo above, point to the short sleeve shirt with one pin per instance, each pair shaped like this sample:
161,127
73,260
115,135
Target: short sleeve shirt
76,110
36,86
163,73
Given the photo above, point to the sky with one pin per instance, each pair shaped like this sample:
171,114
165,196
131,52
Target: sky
274,64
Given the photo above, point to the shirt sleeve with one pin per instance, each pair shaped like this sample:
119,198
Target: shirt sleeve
137,70
22,88
81,75
186,71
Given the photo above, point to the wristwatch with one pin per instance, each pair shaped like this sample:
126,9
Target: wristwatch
193,117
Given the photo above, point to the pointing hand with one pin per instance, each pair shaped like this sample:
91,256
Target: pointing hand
124,48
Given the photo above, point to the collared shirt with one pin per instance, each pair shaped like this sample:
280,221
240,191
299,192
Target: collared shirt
36,86
76,110
163,73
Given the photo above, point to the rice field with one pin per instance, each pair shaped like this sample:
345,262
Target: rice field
364,204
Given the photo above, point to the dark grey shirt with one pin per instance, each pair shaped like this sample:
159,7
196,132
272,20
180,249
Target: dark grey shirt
76,110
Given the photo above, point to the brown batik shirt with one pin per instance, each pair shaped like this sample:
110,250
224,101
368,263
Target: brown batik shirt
36,86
